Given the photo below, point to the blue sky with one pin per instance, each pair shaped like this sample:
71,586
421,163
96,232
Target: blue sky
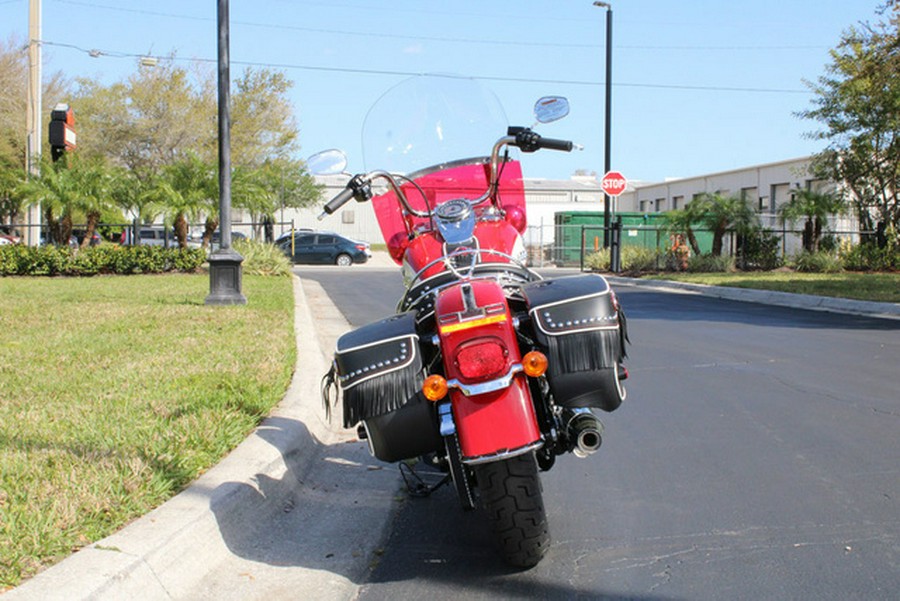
698,87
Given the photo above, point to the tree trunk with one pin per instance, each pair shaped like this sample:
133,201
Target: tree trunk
211,224
92,220
692,240
65,229
718,236
181,230
53,232
817,234
808,236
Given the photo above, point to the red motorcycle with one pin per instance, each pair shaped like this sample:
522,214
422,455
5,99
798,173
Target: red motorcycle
487,371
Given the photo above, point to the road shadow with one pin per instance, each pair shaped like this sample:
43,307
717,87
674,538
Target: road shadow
337,510
325,510
435,549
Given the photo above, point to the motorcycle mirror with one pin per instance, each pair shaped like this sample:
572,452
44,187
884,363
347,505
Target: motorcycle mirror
327,162
551,108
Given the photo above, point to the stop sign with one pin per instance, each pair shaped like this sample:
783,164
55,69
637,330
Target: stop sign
613,183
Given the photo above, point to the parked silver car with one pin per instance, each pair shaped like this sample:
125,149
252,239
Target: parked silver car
151,235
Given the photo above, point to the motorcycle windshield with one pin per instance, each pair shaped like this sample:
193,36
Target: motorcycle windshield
439,132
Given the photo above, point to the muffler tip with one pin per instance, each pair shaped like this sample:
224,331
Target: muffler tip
586,432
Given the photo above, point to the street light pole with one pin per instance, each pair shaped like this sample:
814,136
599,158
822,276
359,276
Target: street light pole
607,143
225,263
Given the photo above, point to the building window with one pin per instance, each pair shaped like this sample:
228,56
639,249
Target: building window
643,206
677,202
750,195
660,205
781,194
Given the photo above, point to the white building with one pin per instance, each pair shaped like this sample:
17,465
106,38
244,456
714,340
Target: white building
767,187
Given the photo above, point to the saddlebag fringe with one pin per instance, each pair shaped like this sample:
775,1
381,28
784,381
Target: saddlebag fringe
331,392
380,395
584,351
377,367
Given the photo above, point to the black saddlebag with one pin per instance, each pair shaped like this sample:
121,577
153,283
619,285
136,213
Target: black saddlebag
379,370
578,323
410,431
379,367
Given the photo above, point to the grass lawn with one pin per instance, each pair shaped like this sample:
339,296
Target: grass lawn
117,392
882,287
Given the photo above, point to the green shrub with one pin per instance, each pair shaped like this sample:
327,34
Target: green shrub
261,258
710,264
598,261
633,258
868,257
19,259
820,262
759,250
639,258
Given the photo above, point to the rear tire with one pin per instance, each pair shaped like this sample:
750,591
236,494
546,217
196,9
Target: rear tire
512,498
344,260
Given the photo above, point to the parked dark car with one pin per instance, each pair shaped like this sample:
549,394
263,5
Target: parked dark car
324,248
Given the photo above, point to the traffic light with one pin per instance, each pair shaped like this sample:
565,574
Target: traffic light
62,131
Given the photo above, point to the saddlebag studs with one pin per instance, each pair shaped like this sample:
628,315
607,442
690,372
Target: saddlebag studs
578,324
379,368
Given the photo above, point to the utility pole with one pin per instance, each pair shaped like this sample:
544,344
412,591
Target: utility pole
33,114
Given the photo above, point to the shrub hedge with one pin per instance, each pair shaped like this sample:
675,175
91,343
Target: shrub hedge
633,258
18,259
262,258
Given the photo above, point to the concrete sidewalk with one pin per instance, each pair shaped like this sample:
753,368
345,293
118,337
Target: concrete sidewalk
296,511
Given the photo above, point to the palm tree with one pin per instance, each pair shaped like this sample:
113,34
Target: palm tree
814,207
55,191
185,189
720,213
95,183
67,188
682,222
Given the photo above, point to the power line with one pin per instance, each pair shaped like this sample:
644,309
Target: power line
454,40
93,52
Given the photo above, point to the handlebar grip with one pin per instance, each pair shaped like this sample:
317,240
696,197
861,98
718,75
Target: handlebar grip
551,144
338,201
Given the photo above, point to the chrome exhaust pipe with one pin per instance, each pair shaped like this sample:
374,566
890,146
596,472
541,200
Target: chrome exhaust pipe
585,431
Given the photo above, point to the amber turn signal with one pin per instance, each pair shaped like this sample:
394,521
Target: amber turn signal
434,388
534,364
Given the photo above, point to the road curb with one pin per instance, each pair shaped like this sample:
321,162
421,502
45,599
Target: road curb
770,297
166,553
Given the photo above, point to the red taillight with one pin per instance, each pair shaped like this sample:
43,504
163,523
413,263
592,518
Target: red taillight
482,360
360,247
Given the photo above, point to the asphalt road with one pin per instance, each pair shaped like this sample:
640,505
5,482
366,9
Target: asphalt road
756,457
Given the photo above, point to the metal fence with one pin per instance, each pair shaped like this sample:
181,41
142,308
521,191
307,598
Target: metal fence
569,245
38,233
